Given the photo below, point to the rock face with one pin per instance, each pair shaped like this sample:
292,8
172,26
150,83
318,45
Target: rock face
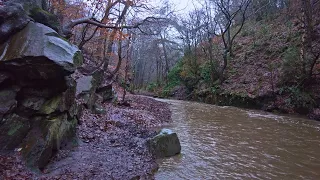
91,90
165,144
16,14
38,111
37,40
12,19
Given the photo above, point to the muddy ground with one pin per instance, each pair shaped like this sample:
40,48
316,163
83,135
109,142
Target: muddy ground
108,146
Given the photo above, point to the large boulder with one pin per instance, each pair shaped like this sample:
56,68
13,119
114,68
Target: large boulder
12,19
165,144
39,45
84,84
7,101
45,137
16,14
13,130
38,111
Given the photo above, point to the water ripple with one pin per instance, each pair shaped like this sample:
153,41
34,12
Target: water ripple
231,143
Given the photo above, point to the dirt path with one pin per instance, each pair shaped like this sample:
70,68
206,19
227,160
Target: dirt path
109,146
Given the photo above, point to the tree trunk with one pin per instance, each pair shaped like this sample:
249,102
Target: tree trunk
224,66
165,58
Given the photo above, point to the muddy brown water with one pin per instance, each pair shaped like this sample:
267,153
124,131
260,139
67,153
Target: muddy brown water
232,143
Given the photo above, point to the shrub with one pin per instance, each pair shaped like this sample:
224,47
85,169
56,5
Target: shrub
298,98
208,73
205,72
291,67
174,79
152,87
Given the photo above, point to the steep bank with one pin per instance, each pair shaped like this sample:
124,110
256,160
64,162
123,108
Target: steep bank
110,146
38,111
264,73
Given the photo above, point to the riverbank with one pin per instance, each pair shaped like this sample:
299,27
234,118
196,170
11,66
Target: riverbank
108,146
264,73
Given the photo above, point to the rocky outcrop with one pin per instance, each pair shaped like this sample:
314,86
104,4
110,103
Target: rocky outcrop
92,90
165,144
16,14
37,43
87,87
12,19
41,100
38,111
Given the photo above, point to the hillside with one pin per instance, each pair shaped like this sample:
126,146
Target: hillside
263,73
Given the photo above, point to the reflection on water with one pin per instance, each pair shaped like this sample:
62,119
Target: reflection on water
231,143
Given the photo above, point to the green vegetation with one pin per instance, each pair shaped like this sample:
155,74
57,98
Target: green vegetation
44,17
291,66
174,78
297,98
266,69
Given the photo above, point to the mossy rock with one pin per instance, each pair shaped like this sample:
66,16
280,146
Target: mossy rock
28,5
98,109
228,99
13,19
106,93
84,85
44,17
96,82
7,100
51,105
68,96
33,103
76,110
165,144
97,78
13,131
62,102
60,128
41,51
78,59
45,139
87,89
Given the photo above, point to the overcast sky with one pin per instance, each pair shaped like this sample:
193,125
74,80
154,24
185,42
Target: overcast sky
181,6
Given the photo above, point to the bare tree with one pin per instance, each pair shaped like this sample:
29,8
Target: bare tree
310,27
228,10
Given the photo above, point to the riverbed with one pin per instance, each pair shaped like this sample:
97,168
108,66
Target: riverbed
232,143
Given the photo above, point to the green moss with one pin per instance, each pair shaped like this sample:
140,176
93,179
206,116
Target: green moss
78,59
54,34
44,17
42,142
14,128
13,131
51,105
59,129
96,82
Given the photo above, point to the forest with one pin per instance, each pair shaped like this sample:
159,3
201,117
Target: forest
84,84
259,54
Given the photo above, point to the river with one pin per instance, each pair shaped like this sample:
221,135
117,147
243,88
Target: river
232,143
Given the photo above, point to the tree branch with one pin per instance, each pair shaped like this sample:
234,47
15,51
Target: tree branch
67,29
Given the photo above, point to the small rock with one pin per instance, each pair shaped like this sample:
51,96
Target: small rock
90,136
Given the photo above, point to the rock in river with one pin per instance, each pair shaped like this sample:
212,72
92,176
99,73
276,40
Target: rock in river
165,144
